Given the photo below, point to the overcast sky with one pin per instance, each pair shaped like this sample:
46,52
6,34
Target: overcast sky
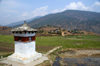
16,10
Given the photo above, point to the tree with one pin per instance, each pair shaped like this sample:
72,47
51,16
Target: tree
48,25
59,28
63,30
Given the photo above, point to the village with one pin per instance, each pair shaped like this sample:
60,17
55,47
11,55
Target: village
57,31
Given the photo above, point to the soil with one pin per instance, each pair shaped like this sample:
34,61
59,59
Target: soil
78,57
72,53
44,49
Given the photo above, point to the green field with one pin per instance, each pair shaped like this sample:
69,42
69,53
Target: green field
44,44
84,41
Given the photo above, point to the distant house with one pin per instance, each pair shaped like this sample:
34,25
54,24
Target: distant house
76,30
51,31
54,31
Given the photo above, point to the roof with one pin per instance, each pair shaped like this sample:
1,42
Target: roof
24,28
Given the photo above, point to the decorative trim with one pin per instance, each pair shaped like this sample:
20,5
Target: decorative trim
24,39
24,34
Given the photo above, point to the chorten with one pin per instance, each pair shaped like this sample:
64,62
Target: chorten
25,50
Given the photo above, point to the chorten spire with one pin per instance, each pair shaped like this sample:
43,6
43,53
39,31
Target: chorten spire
24,22
25,25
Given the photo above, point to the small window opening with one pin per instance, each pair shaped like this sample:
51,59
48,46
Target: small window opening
29,32
19,38
32,32
13,32
16,32
20,32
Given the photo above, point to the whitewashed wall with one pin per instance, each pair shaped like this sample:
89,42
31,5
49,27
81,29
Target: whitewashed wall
25,48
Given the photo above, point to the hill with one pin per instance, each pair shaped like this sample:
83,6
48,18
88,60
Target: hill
55,31
5,30
21,22
48,28
70,19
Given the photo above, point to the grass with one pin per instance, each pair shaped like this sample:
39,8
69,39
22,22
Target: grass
45,44
6,39
84,41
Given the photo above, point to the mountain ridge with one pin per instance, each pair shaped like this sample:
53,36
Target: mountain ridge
70,19
21,22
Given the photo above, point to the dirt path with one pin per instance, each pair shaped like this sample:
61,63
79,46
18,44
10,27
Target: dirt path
53,50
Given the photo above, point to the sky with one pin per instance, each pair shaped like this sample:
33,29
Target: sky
17,10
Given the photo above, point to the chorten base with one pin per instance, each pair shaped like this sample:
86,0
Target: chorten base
23,60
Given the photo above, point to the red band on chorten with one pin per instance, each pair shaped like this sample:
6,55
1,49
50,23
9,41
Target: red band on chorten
24,39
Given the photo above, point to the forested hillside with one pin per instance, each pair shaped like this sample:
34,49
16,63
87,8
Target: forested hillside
70,19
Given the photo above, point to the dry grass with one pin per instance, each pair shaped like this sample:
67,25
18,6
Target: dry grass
44,49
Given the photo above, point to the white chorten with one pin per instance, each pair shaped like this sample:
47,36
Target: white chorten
24,38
